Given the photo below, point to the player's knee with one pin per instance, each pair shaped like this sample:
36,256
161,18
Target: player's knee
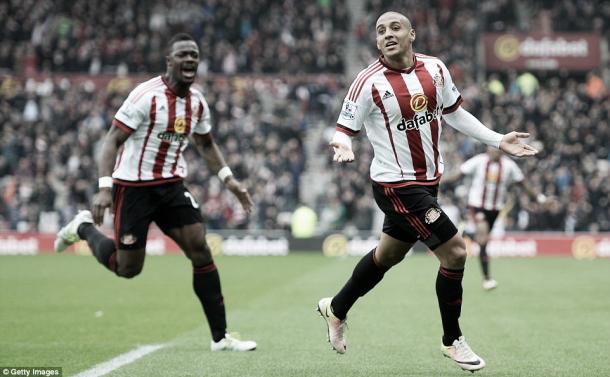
456,255
129,271
201,256
390,258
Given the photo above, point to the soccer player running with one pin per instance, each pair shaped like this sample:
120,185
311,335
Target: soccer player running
141,170
492,174
401,99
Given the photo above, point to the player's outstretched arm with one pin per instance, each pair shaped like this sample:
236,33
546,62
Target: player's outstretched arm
103,199
468,124
211,154
342,146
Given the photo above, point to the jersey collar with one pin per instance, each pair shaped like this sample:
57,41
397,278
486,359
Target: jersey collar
408,70
172,90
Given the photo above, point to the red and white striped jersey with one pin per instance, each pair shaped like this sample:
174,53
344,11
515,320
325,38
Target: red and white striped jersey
401,111
159,123
490,180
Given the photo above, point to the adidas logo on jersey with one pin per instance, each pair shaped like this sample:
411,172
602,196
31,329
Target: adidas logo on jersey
387,95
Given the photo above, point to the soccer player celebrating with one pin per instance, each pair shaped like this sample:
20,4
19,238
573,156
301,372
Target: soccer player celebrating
492,174
141,170
401,99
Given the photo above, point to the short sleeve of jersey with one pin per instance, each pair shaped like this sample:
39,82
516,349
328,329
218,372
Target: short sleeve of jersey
470,165
133,113
450,94
516,173
204,119
355,108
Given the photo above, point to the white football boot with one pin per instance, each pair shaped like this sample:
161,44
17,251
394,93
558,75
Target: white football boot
232,343
68,235
462,354
335,326
489,284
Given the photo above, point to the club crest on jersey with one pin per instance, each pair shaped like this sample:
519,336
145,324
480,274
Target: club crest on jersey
432,215
492,177
419,102
180,125
438,80
349,110
128,239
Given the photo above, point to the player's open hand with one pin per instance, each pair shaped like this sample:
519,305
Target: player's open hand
241,193
343,153
101,201
512,145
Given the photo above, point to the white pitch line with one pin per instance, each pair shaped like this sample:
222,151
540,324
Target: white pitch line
106,367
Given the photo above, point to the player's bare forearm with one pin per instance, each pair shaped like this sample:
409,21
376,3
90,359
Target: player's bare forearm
113,141
209,151
103,199
211,154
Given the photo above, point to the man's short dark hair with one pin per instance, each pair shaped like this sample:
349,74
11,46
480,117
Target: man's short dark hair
178,38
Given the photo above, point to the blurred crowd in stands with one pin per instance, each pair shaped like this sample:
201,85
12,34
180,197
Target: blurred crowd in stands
266,36
51,126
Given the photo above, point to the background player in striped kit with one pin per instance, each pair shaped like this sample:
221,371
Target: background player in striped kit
145,145
401,99
492,174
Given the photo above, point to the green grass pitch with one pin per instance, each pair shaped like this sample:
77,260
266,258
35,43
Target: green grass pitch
548,317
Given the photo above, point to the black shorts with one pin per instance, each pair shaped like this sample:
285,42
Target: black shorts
169,205
413,213
490,215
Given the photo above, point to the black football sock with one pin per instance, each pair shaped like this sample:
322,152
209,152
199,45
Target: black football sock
449,294
484,259
102,247
206,283
366,275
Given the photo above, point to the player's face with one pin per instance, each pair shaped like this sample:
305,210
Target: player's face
183,60
394,34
